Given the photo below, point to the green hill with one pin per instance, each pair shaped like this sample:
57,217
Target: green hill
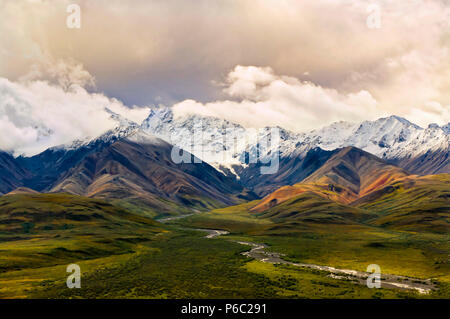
412,203
39,230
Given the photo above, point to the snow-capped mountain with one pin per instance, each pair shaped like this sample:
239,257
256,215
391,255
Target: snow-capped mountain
50,164
446,128
392,138
123,128
208,138
240,152
215,140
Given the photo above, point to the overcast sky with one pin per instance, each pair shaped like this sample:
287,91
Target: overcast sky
298,64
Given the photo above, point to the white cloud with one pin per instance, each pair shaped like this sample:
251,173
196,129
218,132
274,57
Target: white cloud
259,97
173,48
35,115
267,99
431,112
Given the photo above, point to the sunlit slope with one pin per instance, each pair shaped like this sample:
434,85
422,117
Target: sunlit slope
356,172
409,203
412,203
22,190
309,207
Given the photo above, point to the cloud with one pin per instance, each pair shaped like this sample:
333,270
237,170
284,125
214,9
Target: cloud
63,73
35,115
145,52
267,99
140,50
432,112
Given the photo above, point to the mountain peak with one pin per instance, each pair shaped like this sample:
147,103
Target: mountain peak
348,150
355,170
141,137
123,128
399,119
391,137
22,190
354,155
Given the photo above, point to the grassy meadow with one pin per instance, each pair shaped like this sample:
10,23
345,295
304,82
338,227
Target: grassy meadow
126,254
320,240
183,264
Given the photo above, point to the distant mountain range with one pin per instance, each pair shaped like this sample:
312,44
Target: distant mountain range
394,139
132,165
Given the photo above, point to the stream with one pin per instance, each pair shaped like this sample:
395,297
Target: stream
259,252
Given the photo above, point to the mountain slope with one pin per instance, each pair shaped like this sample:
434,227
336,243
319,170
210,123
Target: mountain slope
431,162
355,186
291,170
356,170
140,169
411,203
11,173
347,175
49,165
226,146
427,152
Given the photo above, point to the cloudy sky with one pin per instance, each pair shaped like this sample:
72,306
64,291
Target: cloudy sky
297,64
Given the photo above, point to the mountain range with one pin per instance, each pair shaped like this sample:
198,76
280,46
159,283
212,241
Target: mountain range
394,139
132,166
117,205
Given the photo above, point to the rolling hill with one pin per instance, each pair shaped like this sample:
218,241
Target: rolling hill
355,186
39,230
411,203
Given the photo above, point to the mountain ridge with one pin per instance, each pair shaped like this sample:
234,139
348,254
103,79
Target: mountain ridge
347,175
392,138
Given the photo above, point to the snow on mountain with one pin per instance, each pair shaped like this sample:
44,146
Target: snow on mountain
141,137
123,129
211,139
219,142
446,128
230,147
389,138
224,144
381,137
432,139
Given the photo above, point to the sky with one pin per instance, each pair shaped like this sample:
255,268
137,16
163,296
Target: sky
297,64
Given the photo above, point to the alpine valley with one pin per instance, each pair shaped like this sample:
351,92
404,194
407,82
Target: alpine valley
140,225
